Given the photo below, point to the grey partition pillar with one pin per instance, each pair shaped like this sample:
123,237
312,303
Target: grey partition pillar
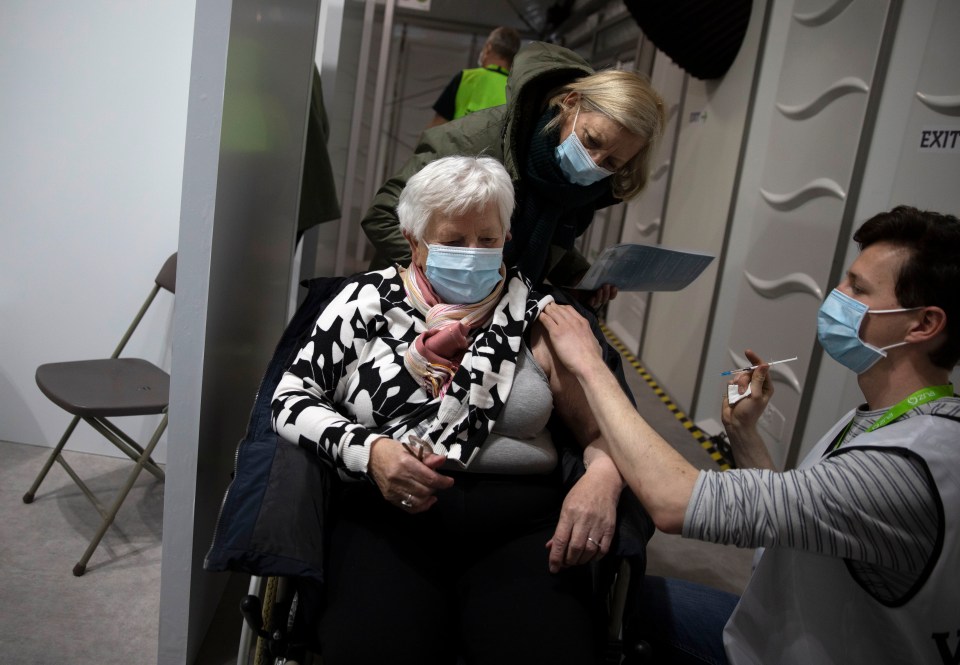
249,94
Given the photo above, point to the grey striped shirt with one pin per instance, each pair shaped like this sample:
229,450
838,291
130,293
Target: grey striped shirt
874,508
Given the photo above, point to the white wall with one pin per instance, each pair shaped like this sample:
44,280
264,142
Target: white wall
799,199
93,102
689,338
923,61
704,171
865,139
94,108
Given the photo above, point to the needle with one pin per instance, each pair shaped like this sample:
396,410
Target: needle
753,367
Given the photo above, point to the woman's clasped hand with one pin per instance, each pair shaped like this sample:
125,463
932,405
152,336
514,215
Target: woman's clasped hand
406,480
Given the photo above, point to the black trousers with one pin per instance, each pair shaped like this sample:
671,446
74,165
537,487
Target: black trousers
466,579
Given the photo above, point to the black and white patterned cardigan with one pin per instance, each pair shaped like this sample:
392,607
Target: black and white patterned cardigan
348,385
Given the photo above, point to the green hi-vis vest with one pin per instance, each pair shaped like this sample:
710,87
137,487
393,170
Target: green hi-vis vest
480,88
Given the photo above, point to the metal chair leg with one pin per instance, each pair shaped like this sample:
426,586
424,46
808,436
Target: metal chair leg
81,566
28,497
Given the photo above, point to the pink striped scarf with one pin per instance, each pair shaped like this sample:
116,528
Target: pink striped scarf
435,354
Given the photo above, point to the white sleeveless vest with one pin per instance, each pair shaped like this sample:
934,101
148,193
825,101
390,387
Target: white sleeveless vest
807,609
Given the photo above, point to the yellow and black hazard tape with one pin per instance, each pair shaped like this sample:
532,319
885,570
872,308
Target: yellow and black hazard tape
688,424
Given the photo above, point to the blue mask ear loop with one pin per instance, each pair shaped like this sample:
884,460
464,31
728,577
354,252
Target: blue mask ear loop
882,350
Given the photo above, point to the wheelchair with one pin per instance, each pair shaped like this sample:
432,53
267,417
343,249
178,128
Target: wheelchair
285,596
277,624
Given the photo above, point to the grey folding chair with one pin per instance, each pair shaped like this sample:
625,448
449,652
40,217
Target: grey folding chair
95,390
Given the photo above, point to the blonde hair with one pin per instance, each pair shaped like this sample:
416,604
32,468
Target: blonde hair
628,99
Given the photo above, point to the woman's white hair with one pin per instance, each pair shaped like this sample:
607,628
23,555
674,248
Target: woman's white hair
453,186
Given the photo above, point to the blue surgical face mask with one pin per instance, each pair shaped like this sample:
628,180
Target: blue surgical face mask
838,329
575,162
462,275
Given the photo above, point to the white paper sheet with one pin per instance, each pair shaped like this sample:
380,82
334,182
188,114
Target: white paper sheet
635,267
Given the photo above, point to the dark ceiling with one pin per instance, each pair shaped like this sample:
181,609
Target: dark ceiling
535,19
701,36
601,30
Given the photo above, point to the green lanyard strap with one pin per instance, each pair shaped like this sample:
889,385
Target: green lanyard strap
922,396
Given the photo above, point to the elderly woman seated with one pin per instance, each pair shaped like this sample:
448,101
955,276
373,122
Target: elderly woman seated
430,386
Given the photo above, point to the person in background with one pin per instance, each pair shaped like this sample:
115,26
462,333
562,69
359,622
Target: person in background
429,388
483,86
573,141
862,540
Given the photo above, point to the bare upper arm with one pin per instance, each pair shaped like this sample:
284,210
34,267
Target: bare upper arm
569,401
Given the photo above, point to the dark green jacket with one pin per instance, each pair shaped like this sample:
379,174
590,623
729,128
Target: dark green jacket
501,132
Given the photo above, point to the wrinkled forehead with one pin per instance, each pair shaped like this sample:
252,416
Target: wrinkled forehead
472,219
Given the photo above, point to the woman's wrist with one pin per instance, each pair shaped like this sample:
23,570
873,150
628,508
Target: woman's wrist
603,468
